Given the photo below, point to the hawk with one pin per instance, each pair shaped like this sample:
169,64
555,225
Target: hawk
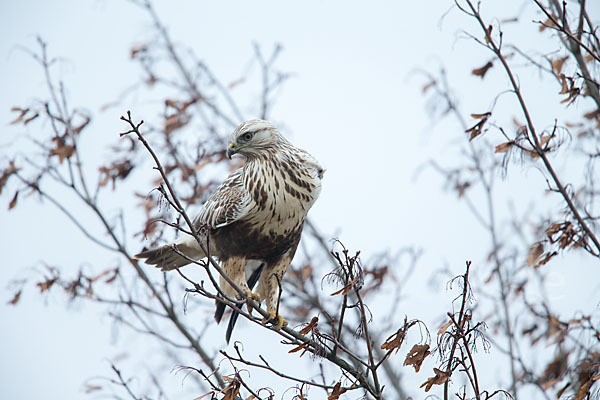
254,219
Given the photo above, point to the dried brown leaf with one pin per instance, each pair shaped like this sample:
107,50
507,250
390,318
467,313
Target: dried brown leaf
115,171
535,251
504,147
21,111
346,289
15,298
232,390
176,121
429,85
545,139
28,120
573,94
530,330
306,272
481,116
592,114
235,83
92,388
394,342
557,64
337,391
417,355
546,258
85,123
135,50
554,371
564,84
10,170
562,390
47,284
112,278
547,23
440,378
13,202
311,325
461,188
516,123
303,346
477,129
583,392
62,150
482,70
444,327
489,33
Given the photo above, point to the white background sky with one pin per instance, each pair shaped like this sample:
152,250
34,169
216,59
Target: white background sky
355,103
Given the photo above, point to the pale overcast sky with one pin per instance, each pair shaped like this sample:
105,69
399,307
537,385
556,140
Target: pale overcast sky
355,102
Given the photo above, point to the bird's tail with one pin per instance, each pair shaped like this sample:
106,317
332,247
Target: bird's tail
167,258
234,314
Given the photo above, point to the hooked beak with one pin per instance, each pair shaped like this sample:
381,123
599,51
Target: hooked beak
231,150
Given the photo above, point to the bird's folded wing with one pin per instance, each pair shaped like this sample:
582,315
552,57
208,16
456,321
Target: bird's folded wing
229,203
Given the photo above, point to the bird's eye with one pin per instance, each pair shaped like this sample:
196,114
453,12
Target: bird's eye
247,136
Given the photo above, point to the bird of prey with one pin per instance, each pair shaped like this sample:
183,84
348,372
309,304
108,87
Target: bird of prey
253,221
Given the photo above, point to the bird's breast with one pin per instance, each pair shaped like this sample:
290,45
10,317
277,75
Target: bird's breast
282,194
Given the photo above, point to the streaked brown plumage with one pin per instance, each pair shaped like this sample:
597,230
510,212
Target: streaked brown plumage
254,217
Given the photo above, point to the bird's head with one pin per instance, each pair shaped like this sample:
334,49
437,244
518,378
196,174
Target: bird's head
252,138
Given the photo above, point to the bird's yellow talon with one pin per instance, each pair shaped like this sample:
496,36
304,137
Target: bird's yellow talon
253,296
275,319
250,295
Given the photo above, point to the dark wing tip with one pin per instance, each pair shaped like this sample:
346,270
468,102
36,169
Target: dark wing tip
219,311
231,325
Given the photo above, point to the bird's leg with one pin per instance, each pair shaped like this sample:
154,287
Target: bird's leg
235,268
276,319
270,289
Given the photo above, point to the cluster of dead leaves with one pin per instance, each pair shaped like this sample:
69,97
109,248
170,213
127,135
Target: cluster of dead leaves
6,173
395,341
587,373
584,374
337,391
593,115
534,257
312,328
81,285
477,129
350,272
176,116
564,234
230,392
417,354
377,277
26,115
61,148
302,274
115,171
568,87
